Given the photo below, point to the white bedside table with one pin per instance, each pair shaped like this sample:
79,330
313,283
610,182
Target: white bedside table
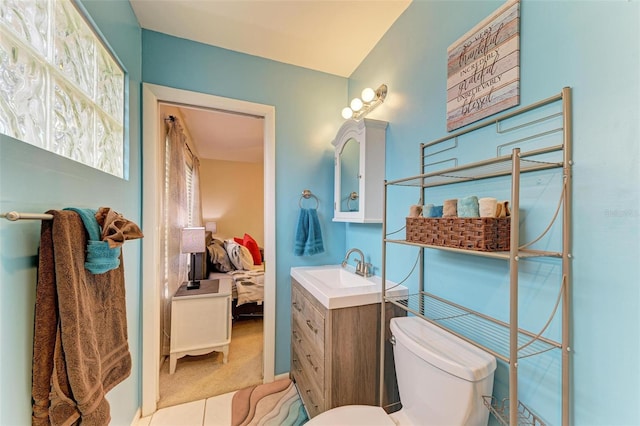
200,320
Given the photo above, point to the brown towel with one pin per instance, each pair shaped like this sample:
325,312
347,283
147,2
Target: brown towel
80,349
115,228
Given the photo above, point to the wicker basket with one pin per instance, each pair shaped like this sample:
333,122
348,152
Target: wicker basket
470,233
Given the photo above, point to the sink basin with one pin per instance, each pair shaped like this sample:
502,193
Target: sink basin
339,277
338,287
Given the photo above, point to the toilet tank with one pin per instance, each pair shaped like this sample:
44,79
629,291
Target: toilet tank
441,377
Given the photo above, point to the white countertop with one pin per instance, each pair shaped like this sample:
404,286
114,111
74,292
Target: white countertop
337,287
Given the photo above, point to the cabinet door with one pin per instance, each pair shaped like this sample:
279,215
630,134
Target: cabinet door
359,171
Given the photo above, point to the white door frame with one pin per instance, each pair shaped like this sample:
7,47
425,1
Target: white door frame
152,187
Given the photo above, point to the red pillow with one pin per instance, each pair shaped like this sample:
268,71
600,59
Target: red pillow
238,240
253,247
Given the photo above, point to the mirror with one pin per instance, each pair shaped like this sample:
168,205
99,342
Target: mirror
349,163
359,171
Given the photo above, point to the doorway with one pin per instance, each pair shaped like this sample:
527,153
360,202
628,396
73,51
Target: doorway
152,184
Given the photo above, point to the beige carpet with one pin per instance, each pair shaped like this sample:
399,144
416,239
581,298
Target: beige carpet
204,376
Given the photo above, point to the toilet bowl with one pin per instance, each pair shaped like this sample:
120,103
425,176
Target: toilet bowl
353,415
441,380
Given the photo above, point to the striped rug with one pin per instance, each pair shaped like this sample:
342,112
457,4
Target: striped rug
276,403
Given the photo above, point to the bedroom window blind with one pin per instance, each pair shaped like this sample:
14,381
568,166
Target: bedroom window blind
63,90
189,182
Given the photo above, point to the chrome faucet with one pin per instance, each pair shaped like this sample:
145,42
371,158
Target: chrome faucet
362,268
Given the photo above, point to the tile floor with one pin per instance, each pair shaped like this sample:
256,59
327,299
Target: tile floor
214,411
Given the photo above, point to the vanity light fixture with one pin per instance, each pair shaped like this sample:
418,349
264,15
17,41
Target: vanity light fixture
368,101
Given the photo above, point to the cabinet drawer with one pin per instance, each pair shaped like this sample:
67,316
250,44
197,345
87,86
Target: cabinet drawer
310,392
311,359
308,330
309,319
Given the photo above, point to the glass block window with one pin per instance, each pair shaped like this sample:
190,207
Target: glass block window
60,87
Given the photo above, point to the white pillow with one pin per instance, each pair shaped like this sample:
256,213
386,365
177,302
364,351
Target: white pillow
239,255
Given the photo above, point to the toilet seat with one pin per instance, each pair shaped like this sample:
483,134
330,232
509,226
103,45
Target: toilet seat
365,415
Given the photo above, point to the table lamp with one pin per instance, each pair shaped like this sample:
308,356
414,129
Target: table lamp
193,241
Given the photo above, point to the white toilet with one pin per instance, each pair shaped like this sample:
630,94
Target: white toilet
441,379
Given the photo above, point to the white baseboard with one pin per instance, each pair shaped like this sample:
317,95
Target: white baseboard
136,418
282,376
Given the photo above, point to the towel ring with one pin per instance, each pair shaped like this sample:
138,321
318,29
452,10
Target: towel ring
351,197
308,194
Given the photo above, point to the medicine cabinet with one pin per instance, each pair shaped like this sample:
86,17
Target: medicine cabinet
359,171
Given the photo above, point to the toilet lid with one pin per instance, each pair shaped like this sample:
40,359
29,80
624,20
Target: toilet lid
365,415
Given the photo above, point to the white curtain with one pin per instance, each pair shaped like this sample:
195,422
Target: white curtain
175,218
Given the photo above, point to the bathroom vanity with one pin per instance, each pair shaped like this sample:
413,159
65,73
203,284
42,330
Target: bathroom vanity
335,359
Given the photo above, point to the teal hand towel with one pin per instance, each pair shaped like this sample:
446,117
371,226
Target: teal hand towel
468,207
100,257
308,234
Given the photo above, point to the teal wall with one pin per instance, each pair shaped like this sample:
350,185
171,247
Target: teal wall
307,105
594,47
34,180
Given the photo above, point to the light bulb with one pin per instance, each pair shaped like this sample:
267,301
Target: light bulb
347,113
356,104
368,94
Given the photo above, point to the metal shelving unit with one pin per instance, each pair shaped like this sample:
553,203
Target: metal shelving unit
505,340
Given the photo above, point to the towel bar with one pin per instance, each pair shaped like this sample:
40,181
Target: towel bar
13,216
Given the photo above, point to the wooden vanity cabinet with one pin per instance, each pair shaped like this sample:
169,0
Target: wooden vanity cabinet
334,353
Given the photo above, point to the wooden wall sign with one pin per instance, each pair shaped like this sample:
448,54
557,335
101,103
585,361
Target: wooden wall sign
484,68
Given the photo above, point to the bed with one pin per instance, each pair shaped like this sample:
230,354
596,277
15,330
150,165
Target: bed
242,261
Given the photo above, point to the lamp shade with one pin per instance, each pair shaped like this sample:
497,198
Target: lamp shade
211,227
193,240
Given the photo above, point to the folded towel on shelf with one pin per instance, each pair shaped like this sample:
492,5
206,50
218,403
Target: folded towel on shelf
80,346
487,206
450,208
415,210
468,207
432,211
502,209
308,238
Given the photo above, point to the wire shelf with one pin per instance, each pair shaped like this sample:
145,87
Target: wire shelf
499,166
500,410
522,253
485,332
